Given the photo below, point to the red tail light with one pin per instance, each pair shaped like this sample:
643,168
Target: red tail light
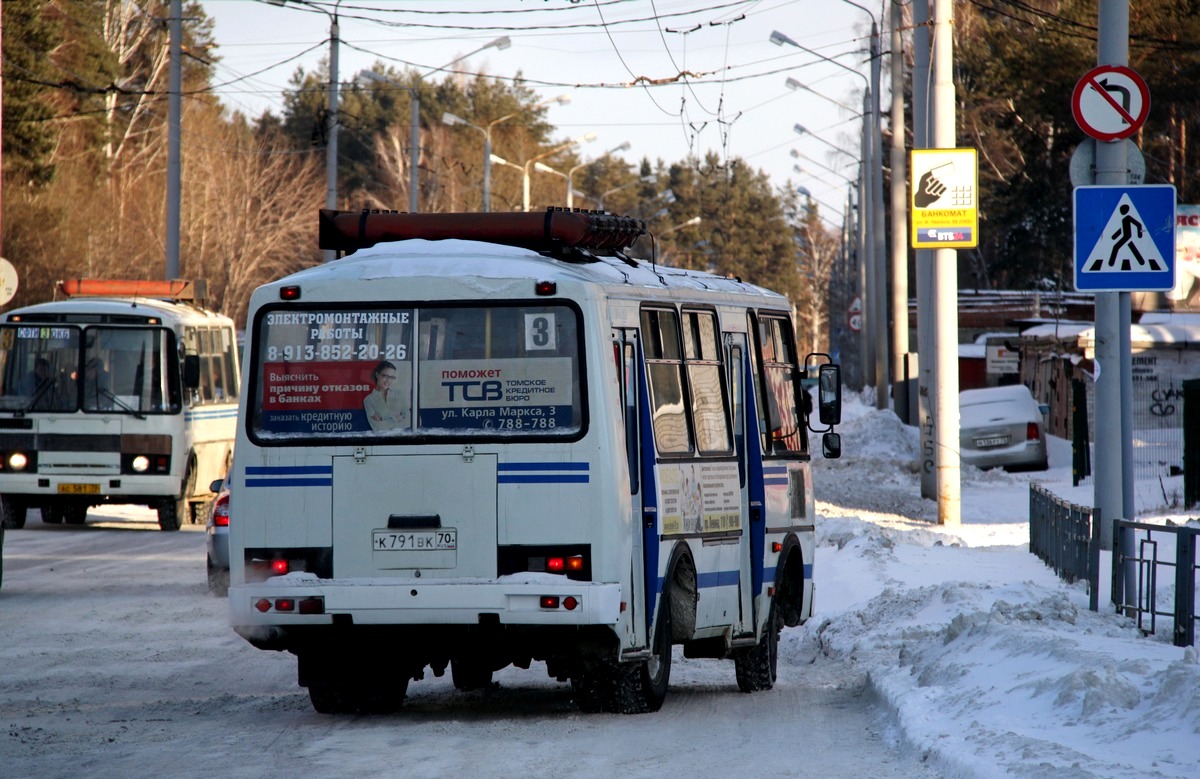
221,511
1031,431
279,567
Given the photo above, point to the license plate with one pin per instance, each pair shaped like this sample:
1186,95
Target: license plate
999,440
79,489
415,540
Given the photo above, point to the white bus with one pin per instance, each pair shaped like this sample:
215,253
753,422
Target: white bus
124,392
522,446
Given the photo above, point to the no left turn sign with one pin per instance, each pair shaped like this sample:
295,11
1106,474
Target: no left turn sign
1110,102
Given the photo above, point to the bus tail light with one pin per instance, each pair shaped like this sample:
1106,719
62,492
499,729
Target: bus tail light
559,564
280,567
311,605
549,601
570,560
570,603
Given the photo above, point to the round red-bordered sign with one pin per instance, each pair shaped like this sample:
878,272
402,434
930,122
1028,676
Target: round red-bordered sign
1110,102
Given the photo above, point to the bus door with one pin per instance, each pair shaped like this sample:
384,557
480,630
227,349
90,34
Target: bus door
737,365
644,574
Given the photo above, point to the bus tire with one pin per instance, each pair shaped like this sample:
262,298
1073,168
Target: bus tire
52,514
641,687
13,513
756,666
75,514
172,513
346,694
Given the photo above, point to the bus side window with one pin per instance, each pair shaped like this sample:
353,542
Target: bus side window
664,364
737,395
229,364
702,355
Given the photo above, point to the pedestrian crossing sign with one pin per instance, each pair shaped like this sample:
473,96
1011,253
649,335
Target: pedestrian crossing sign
1125,238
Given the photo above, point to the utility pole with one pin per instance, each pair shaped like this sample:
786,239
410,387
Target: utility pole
174,109
899,277
945,283
882,374
926,326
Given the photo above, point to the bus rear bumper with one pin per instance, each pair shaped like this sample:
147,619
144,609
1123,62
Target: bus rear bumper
266,610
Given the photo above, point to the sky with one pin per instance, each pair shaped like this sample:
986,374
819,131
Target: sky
933,651
737,105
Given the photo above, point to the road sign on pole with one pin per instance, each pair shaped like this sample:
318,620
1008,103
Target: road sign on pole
1125,238
1110,102
944,205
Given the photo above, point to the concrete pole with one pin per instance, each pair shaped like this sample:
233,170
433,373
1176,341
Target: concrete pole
945,283
882,374
174,111
331,135
414,147
1114,385
899,259
866,254
926,326
487,170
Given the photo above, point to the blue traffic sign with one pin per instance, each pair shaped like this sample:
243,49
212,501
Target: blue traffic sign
1125,238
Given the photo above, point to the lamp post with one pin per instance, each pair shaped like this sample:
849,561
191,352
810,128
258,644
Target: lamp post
414,91
792,83
647,179
872,217
529,163
695,220
488,157
623,146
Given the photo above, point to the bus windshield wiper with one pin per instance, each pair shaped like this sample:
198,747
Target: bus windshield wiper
117,401
38,394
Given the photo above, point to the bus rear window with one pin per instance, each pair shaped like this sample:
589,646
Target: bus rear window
430,371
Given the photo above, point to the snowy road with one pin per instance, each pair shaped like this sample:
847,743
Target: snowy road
117,662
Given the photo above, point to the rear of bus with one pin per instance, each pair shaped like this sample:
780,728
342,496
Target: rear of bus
421,471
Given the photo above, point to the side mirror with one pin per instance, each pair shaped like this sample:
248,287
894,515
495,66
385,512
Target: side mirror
829,394
216,485
191,371
831,446
1044,408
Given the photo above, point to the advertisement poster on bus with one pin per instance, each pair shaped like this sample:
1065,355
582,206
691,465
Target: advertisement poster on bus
699,498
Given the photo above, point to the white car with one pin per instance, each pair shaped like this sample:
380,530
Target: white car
1002,427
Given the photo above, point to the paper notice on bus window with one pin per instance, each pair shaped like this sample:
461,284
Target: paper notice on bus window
514,395
699,498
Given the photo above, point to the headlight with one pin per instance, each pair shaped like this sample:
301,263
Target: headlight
141,463
17,461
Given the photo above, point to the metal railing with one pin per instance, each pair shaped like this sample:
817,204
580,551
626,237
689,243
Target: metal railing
1136,565
1065,537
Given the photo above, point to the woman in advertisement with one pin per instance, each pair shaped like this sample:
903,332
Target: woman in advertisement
386,408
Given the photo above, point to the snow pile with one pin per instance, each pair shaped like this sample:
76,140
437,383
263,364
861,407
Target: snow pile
990,664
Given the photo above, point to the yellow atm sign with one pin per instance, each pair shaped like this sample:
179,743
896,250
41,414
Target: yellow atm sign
944,199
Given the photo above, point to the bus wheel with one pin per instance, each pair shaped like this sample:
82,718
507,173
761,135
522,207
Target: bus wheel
470,674
75,514
172,513
756,665
642,687
349,694
13,513
52,513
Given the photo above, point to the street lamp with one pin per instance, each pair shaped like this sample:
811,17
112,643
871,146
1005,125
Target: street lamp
414,92
647,179
792,83
529,163
802,130
451,119
695,220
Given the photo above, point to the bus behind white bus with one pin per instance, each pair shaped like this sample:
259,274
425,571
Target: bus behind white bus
493,439
123,392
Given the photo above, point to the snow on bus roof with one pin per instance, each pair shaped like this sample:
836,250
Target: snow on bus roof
482,260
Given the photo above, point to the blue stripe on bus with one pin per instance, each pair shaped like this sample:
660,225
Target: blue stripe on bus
547,478
288,470
543,466
717,579
776,482
290,482
769,573
773,469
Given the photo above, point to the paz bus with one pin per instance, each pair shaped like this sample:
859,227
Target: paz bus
487,439
123,392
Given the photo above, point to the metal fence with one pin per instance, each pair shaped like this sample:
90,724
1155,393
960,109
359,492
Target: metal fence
1138,589
1065,536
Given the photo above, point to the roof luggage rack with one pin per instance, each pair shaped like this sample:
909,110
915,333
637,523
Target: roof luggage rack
168,289
556,230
